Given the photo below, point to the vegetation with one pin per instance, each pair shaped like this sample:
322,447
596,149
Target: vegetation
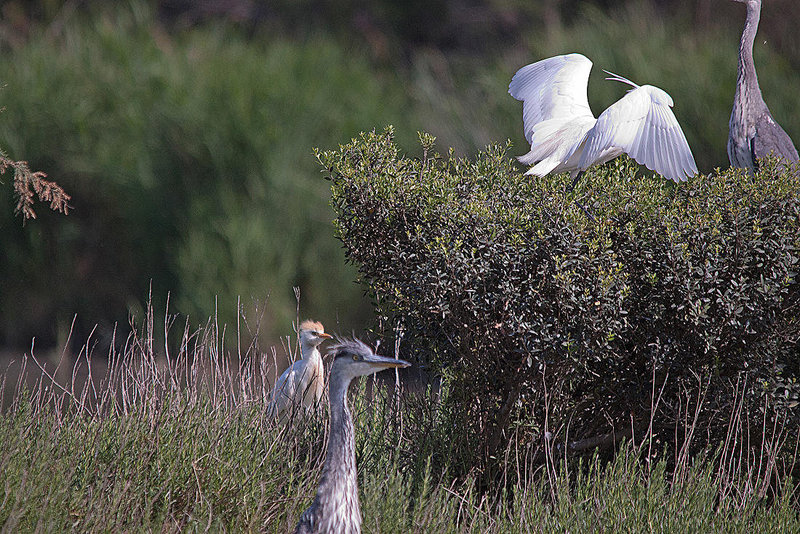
186,148
669,303
30,185
190,168
181,443
635,372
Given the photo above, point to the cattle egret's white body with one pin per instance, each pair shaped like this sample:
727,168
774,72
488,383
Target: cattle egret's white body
565,136
303,382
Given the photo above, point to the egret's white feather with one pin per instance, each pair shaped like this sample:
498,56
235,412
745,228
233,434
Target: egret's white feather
554,88
617,78
302,382
565,136
642,125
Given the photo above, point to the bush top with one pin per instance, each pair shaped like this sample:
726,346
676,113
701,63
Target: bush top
509,289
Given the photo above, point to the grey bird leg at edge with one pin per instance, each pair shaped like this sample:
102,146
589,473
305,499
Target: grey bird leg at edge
572,188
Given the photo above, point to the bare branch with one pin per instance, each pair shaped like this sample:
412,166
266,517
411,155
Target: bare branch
29,185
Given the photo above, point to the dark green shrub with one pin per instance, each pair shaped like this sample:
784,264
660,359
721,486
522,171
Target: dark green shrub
543,320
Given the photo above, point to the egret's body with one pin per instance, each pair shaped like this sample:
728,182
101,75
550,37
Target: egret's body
752,132
336,507
303,382
566,137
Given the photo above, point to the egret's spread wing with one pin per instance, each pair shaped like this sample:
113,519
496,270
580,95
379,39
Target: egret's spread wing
553,88
642,125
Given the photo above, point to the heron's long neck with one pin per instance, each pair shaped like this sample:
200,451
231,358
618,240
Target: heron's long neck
747,89
341,445
339,485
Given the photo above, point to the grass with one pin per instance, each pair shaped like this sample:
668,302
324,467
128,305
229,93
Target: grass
178,440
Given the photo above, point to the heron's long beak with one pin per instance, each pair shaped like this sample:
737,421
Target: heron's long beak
326,336
386,363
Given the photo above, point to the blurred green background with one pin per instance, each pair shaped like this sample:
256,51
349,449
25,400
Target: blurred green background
184,133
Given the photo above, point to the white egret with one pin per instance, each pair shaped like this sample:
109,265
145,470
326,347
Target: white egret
303,382
565,136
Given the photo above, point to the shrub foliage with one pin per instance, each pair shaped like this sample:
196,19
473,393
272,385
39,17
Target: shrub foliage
671,309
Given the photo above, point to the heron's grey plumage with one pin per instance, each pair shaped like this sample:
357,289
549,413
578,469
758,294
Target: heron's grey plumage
753,132
336,508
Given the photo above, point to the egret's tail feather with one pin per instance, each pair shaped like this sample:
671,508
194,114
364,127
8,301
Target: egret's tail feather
543,167
540,169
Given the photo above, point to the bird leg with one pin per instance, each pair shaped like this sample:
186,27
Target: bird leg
575,181
589,215
572,187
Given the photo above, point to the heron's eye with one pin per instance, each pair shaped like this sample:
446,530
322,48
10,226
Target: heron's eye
356,358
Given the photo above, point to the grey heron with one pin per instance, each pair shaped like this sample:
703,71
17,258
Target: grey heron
303,382
336,508
752,132
565,136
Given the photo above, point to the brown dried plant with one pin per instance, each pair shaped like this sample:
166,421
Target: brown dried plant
28,185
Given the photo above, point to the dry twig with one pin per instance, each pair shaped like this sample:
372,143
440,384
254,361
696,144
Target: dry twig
28,185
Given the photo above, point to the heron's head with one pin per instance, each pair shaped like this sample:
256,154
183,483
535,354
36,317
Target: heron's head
352,358
312,333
